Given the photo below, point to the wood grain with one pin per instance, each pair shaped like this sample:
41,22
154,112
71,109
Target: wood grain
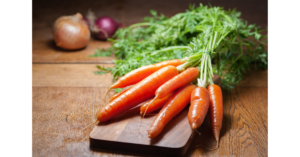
69,75
71,92
59,113
81,75
58,116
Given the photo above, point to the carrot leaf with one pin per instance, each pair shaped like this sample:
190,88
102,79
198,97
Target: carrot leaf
233,45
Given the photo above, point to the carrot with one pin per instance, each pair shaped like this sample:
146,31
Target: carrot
199,107
182,79
118,94
215,109
137,94
174,105
139,74
147,108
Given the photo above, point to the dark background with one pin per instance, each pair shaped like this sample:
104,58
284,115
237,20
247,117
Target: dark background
132,11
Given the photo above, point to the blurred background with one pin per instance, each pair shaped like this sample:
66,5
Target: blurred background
45,12
126,12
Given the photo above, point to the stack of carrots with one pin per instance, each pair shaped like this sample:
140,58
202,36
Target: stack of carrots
167,87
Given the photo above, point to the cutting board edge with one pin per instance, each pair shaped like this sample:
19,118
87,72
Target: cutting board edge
140,148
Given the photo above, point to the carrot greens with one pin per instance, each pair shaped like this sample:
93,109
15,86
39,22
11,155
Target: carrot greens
222,38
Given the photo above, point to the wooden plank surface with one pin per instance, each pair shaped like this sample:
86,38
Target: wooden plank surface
60,113
81,75
62,109
69,75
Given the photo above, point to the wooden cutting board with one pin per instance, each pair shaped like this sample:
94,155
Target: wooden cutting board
128,132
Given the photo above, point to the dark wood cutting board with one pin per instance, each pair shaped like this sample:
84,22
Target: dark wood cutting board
128,132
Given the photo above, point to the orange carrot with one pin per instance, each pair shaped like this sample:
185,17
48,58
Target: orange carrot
118,94
139,74
199,107
215,109
137,94
182,79
147,108
174,105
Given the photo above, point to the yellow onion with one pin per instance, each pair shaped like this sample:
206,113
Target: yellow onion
71,32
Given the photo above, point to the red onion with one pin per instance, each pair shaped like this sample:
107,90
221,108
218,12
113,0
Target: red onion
103,27
106,28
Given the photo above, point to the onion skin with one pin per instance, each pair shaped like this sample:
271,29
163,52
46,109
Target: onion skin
71,32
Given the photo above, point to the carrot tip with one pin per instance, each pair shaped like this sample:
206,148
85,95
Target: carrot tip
217,137
197,131
148,106
107,92
194,126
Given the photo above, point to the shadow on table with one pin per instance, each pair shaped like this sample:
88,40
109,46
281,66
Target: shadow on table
52,45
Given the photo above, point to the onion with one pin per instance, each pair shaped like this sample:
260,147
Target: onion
103,27
71,32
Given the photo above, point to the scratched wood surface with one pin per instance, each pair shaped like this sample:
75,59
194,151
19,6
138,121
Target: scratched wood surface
61,111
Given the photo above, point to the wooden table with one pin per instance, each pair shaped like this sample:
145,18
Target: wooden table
66,94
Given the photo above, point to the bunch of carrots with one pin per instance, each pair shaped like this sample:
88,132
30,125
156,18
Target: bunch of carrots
167,87
170,87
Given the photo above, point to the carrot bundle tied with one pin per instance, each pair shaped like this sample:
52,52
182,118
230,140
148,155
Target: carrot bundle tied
175,105
215,109
137,94
199,107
